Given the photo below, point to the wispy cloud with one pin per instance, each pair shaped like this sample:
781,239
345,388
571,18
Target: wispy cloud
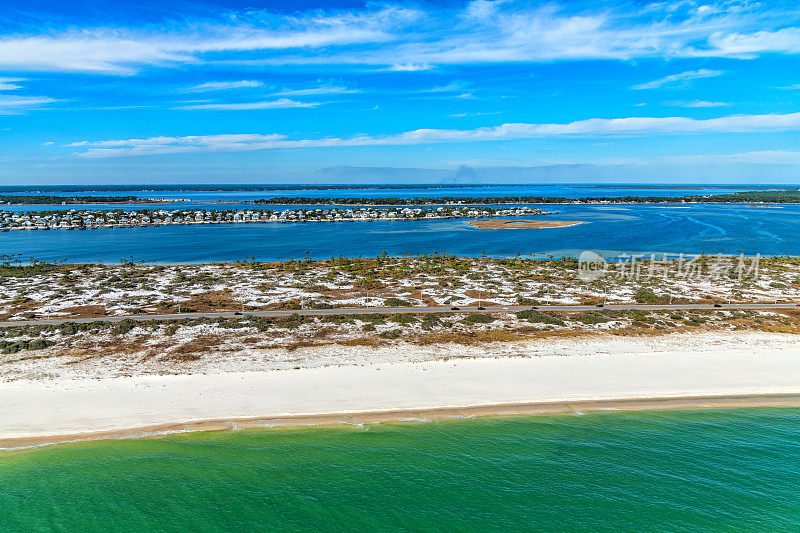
10,84
700,103
311,91
17,105
241,106
411,39
793,87
478,114
223,85
510,131
678,80
453,86
125,50
761,156
408,67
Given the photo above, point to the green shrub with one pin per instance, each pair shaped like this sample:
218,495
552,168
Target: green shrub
338,319
124,327
391,334
430,320
479,318
17,346
404,319
592,317
38,344
645,295
531,315
396,302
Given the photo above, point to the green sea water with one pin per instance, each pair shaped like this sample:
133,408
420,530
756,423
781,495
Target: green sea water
718,470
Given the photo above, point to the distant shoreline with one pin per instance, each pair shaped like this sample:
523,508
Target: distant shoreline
168,201
461,203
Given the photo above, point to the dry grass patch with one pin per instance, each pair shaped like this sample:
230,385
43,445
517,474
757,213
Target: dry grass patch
372,342
22,308
211,301
467,339
296,345
192,350
85,311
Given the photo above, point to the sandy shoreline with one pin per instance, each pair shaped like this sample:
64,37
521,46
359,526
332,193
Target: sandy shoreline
57,410
414,415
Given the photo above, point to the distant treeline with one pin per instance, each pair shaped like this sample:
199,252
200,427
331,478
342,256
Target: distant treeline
739,197
227,187
26,199
776,197
210,187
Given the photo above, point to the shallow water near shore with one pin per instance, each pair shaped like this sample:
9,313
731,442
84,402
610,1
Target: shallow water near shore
725,469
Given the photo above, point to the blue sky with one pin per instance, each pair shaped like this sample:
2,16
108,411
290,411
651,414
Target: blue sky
181,91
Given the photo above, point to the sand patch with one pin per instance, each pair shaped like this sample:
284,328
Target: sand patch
523,224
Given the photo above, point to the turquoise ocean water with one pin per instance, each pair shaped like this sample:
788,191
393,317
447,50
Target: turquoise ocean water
713,470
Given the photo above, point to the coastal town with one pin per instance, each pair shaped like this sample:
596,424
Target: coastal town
93,219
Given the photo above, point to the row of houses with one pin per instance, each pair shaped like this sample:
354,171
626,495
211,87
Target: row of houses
85,219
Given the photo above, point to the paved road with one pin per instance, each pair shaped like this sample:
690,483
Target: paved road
400,310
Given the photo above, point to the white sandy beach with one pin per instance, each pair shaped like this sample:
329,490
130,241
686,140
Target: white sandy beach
617,368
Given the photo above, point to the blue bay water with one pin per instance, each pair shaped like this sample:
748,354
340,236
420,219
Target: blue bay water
611,230
714,470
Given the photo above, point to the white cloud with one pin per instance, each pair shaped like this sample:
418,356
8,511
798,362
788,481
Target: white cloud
322,89
408,67
509,131
407,39
124,50
700,103
794,87
224,85
17,105
453,86
749,45
479,114
497,32
10,84
482,9
269,104
679,80
762,156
